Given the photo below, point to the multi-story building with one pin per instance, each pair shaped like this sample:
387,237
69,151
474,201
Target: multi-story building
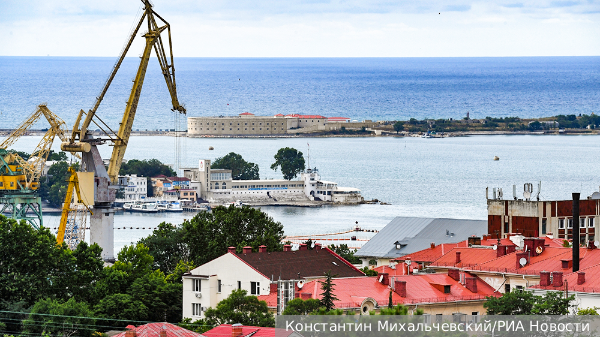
135,187
257,273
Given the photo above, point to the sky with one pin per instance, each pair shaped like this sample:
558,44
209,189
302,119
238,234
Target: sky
308,28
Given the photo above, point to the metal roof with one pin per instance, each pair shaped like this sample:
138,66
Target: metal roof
418,234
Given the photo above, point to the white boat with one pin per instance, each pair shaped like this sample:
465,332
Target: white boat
128,206
147,207
174,206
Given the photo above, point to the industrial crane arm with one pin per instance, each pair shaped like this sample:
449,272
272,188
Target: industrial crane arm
73,185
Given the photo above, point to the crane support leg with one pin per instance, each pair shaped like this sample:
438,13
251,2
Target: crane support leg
23,207
102,231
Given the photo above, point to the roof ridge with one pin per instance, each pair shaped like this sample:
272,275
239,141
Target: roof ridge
343,260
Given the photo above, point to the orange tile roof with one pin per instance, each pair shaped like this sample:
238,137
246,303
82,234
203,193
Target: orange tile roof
351,292
399,269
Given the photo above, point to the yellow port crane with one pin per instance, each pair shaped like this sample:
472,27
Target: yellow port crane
101,223
30,170
72,221
19,178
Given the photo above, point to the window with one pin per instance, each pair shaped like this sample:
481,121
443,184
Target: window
446,289
581,222
543,226
506,228
239,285
507,288
218,286
591,222
561,223
196,309
197,285
570,223
255,288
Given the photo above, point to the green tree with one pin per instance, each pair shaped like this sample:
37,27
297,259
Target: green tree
209,234
588,311
368,271
240,308
86,272
291,162
552,303
240,169
181,268
535,125
167,247
298,306
327,296
516,302
398,126
51,317
163,299
345,252
54,188
121,306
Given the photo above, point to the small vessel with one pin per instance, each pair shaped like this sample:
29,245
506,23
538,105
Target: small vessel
496,158
127,206
144,207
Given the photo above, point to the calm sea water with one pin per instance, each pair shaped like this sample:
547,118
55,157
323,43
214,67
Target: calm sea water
419,177
359,88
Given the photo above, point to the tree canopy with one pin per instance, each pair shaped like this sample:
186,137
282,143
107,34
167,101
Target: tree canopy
240,308
520,302
327,296
398,126
240,169
54,188
290,161
146,168
298,306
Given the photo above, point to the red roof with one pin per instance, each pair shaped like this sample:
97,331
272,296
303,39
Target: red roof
423,288
154,329
246,114
468,257
429,255
399,269
591,282
279,115
306,116
225,330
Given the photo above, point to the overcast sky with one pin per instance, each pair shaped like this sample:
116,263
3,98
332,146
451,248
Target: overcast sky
308,28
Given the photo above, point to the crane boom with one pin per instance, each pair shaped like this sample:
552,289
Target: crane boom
73,185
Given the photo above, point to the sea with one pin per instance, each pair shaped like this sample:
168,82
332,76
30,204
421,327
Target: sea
436,177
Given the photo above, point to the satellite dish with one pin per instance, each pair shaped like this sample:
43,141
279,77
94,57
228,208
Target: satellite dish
527,195
494,247
523,261
596,195
408,262
597,243
539,249
300,284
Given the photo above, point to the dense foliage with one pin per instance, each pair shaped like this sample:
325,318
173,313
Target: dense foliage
328,295
291,162
345,252
54,187
520,302
52,282
240,169
299,306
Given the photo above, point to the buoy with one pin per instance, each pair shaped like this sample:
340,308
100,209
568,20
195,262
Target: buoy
496,158
210,148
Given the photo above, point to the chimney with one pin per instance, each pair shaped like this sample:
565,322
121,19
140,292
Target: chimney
287,248
303,246
545,278
454,274
163,333
247,250
273,288
528,244
318,246
231,250
557,279
385,278
580,278
130,333
474,240
510,249
522,255
576,231
236,330
400,288
305,296
500,250
591,245
262,249
432,245
457,257
471,284
566,264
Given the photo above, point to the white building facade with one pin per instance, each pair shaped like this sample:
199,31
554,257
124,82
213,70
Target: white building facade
135,187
